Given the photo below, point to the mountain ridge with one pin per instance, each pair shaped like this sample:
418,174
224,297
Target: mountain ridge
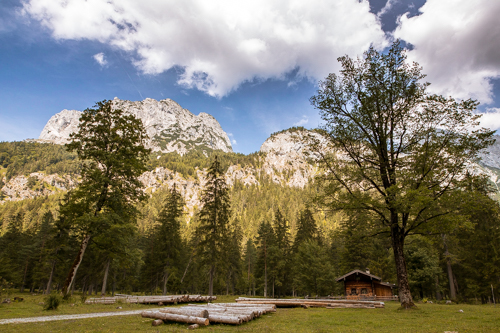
169,126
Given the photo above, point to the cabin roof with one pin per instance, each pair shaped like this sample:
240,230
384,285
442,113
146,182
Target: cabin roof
357,272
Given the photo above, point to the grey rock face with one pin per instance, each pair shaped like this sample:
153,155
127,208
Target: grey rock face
169,126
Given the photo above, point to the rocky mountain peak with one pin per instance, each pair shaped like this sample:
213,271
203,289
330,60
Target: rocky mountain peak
169,126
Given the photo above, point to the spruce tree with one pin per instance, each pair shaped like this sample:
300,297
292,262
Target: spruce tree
306,229
282,265
214,216
169,240
265,252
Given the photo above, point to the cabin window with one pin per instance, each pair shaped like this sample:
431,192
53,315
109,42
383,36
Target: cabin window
364,291
353,291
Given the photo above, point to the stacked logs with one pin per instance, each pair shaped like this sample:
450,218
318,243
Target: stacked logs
202,315
306,303
160,300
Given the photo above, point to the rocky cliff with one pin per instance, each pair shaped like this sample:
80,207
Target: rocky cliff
169,126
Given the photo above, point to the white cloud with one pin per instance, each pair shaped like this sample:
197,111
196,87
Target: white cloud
101,60
491,119
233,141
302,121
219,43
458,44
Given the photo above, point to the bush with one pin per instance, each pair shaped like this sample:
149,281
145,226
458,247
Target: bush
52,302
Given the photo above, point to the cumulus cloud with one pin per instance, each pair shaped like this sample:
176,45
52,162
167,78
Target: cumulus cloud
491,118
302,121
458,44
101,60
219,43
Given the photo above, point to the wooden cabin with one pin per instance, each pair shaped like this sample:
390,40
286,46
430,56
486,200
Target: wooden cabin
363,285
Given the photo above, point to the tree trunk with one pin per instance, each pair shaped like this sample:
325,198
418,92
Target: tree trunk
114,284
397,238
49,284
265,270
453,292
438,293
165,280
78,260
105,280
24,276
211,281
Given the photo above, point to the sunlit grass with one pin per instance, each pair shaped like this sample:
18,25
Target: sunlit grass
427,318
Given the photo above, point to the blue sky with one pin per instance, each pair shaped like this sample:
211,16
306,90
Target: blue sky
252,65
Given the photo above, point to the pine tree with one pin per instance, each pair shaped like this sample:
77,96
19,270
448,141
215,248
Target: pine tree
169,240
306,229
265,252
249,262
214,216
282,266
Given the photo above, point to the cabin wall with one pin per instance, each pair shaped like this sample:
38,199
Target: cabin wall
382,290
349,285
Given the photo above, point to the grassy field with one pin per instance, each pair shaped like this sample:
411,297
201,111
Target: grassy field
427,318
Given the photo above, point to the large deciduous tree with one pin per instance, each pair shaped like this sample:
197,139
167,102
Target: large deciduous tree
400,153
111,144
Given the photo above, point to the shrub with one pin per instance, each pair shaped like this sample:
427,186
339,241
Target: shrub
52,302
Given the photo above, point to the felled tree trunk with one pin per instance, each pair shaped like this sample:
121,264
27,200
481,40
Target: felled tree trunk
175,317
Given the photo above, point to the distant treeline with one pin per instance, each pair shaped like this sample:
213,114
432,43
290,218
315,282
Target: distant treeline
23,158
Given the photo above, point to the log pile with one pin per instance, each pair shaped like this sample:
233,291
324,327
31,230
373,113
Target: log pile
307,303
160,300
202,315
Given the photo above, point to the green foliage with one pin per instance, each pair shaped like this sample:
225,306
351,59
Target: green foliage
404,152
23,158
187,164
213,230
52,302
112,144
313,270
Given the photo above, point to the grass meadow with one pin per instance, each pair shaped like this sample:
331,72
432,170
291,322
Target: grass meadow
427,318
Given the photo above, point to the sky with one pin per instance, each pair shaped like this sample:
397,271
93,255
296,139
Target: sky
253,65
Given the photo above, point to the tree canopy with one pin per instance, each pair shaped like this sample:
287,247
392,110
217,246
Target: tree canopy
400,153
111,144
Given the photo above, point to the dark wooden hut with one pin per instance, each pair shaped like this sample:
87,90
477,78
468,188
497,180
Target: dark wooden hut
363,285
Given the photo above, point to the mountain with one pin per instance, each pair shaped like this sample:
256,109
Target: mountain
169,126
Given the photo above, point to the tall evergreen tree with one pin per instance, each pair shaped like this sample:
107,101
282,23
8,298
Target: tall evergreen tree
249,270
266,250
169,236
306,229
213,231
282,264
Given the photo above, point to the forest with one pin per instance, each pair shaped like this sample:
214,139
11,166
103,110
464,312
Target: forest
303,247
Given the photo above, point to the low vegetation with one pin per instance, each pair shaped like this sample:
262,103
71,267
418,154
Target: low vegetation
428,318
